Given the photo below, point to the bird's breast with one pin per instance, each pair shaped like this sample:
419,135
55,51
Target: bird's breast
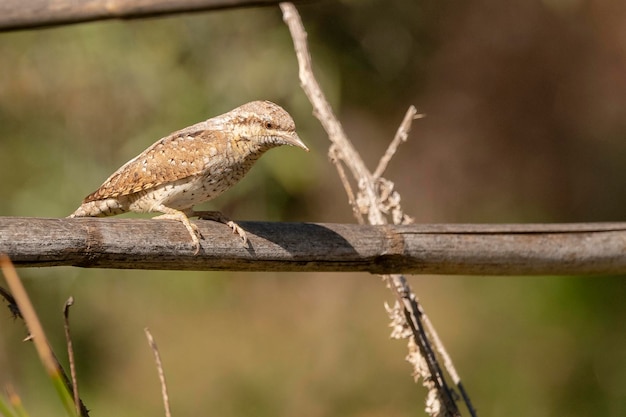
187,192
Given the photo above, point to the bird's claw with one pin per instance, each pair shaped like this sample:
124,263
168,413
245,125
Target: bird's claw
239,231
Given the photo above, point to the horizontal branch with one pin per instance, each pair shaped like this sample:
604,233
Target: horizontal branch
29,14
561,249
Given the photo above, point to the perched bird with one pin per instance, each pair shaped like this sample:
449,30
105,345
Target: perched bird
194,165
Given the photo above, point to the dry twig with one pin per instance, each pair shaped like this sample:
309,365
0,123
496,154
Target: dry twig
377,198
335,158
21,307
37,334
159,365
30,317
70,352
401,136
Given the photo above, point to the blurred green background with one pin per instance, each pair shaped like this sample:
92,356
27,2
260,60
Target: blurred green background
526,122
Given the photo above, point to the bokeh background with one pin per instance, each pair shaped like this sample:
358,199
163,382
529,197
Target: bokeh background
526,122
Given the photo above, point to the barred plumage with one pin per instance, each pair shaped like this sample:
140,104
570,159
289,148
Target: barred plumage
194,165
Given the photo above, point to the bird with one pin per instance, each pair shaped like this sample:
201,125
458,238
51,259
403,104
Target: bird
194,165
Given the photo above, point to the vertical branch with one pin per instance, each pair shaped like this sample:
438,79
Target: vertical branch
376,197
335,158
324,112
70,353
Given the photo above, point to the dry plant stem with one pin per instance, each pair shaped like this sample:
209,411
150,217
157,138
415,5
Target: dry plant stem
415,323
70,352
414,318
37,335
159,365
367,186
30,317
21,306
323,111
401,136
333,154
447,360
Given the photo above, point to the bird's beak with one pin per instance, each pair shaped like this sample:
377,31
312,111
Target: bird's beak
294,140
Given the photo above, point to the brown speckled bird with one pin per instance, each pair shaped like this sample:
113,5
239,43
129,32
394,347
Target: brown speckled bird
194,165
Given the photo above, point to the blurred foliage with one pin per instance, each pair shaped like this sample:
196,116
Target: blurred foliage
525,105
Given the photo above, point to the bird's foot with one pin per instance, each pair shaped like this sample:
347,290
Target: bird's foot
193,230
216,216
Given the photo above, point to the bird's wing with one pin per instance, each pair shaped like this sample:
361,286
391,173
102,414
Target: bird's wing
180,155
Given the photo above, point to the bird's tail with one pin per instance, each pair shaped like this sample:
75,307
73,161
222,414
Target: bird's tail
99,208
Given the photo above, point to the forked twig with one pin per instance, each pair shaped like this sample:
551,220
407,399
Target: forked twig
375,197
159,365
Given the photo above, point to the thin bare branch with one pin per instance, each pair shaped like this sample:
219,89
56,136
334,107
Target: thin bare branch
37,334
159,365
30,317
7,267
375,197
445,399
401,136
70,353
336,160
447,360
324,112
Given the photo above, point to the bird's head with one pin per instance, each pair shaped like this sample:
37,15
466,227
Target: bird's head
262,125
